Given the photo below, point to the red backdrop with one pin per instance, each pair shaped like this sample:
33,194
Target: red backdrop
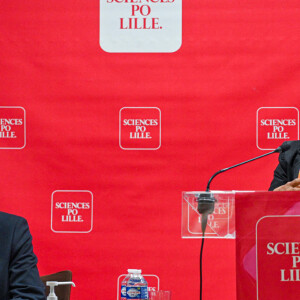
235,58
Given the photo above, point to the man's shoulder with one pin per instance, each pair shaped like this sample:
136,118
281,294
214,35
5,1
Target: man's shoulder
295,145
292,152
9,220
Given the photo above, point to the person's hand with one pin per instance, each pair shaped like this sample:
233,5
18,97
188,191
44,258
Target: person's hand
290,186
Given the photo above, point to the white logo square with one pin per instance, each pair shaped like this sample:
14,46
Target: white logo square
12,127
72,211
275,125
140,128
140,26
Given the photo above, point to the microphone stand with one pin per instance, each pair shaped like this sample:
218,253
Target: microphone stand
206,202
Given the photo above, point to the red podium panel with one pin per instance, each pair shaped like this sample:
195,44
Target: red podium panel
268,245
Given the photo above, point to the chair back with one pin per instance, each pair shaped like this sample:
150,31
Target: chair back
62,292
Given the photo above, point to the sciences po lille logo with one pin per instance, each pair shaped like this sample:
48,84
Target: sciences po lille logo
12,127
140,25
277,253
275,125
71,211
140,128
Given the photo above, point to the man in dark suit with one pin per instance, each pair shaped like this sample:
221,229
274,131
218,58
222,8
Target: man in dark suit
19,277
287,172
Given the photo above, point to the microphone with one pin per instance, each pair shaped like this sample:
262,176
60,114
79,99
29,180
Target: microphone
206,201
284,147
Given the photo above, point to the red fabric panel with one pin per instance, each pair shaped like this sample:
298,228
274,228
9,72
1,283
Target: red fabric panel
235,58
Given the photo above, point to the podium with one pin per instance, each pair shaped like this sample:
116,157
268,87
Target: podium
266,226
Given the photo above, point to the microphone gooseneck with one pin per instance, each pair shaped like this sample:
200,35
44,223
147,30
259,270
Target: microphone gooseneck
285,146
